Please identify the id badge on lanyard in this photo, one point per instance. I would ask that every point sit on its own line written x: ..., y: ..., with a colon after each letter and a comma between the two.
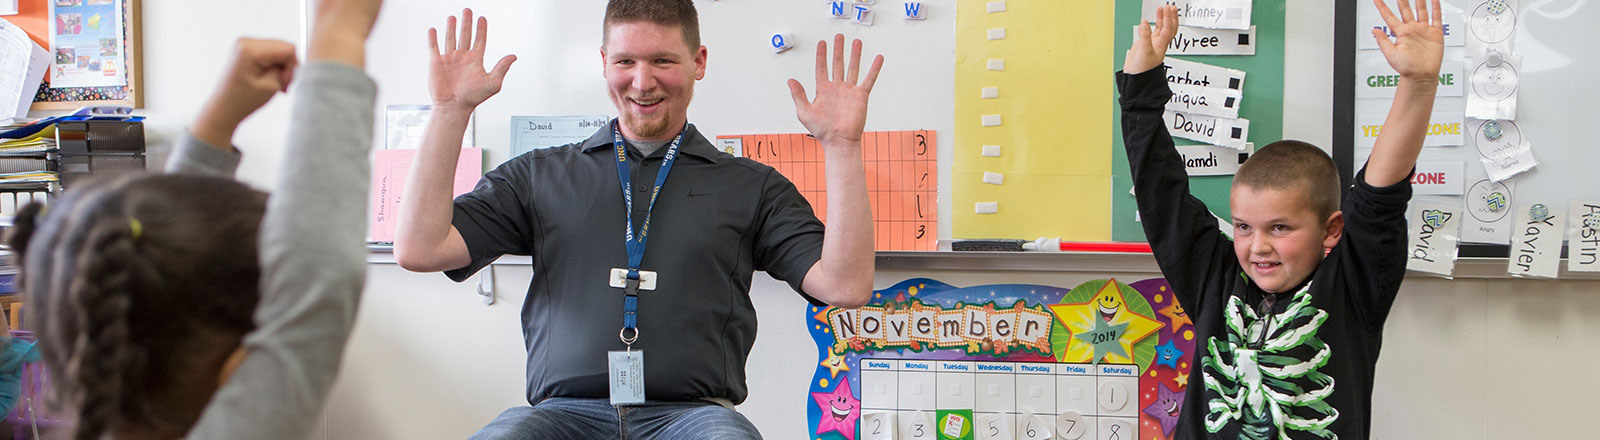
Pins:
x: 627, y: 366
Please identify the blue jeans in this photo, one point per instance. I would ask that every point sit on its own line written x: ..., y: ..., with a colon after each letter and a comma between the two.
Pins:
x: 573, y: 418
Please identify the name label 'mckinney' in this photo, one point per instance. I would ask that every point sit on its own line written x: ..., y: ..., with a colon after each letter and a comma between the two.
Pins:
x: 1215, y: 14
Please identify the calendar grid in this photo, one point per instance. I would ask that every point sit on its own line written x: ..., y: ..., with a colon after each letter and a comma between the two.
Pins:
x: 1003, y: 400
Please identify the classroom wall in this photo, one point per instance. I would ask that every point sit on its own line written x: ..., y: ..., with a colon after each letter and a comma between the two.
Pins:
x: 1463, y: 359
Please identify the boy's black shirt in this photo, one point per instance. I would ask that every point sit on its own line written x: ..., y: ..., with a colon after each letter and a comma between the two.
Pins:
x: 1315, y: 366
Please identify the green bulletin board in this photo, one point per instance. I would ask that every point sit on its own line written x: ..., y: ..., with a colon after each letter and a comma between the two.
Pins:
x: 1262, y: 105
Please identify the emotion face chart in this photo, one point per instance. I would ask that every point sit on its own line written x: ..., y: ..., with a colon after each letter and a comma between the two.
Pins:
x: 926, y: 360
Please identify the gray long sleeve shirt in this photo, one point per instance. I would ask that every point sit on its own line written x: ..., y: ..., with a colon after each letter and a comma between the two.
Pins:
x: 313, y: 258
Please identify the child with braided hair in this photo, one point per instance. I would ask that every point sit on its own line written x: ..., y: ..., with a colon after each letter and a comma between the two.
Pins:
x: 189, y: 304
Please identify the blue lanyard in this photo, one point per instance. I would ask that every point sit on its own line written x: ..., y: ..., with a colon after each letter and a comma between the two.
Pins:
x: 635, y: 247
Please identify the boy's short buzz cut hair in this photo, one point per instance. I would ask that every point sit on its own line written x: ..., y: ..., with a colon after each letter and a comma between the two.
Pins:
x: 1295, y: 165
x: 679, y: 13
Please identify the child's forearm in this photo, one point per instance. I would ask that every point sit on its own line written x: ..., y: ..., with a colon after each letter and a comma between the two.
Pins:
x: 1395, y: 153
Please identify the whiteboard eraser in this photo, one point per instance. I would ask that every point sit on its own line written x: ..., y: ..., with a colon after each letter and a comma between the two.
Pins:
x: 997, y: 64
x: 991, y: 92
x: 781, y: 42
x: 987, y: 207
x: 994, y: 178
x: 916, y: 11
x: 991, y: 151
x: 997, y: 6
x: 997, y: 33
x: 991, y: 120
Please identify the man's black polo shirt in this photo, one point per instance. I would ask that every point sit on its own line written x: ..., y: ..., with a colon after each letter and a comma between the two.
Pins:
x: 718, y: 219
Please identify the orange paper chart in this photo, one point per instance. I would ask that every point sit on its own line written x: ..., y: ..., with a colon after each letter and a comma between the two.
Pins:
x: 902, y: 180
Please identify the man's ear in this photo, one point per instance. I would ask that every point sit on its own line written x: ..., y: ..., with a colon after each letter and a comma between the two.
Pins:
x: 1334, y: 229
x: 700, y: 63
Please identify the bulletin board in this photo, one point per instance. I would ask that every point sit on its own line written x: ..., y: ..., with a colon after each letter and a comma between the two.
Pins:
x: 1105, y: 359
x: 33, y: 17
x: 1262, y: 105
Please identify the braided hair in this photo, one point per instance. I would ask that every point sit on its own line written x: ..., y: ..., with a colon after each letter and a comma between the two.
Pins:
x: 128, y: 280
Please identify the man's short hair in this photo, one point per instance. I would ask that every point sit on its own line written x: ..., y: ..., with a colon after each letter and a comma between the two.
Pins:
x: 667, y: 13
x: 1294, y: 165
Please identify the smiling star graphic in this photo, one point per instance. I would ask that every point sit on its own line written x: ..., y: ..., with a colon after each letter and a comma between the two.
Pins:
x: 840, y: 410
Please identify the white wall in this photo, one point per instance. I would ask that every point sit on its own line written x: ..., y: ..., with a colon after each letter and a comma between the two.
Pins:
x: 1462, y: 359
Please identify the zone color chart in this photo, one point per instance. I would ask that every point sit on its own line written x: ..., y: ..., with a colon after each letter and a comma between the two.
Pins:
x: 902, y: 179
x: 1073, y: 401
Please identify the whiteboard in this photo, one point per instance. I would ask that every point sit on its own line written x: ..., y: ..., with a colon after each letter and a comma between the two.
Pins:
x: 559, y: 69
x: 1556, y: 102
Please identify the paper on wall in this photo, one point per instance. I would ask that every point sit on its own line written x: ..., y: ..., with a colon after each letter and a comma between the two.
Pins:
x: 1488, y: 208
x: 1210, y: 101
x: 1215, y: 14
x: 1213, y: 130
x: 22, y: 66
x: 1502, y: 147
x: 530, y: 133
x: 1493, y: 85
x: 1536, y: 251
x: 1583, y: 236
x: 403, y: 125
x: 1444, y: 129
x: 1434, y: 231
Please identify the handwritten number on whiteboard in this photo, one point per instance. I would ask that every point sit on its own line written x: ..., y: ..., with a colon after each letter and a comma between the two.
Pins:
x: 922, y: 230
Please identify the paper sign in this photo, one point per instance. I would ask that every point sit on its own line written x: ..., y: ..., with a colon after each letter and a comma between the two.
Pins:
x: 1492, y: 24
x: 1444, y: 129
x: 1215, y: 14
x: 902, y: 180
x: 403, y: 126
x: 389, y: 170
x: 1376, y: 79
x: 994, y: 427
x: 1439, y: 178
x: 530, y: 133
x: 1212, y: 160
x: 1454, y: 27
x: 1435, y: 229
x: 1202, y: 41
x: 1536, y: 249
x: 1583, y: 236
x: 1225, y: 132
x: 919, y: 426
x: 23, y: 67
x: 1190, y: 73
x: 1494, y: 79
x: 1488, y: 212
x: 1037, y: 427
x: 1502, y: 147
x: 877, y: 425
x: 733, y: 146
x: 89, y: 43
x: 1210, y: 101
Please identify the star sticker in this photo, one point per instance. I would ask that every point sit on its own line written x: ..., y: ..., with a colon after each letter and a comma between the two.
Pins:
x: 1176, y: 316
x: 1107, y: 306
x: 835, y: 364
x: 1168, y: 354
x: 839, y: 411
x: 1104, y: 338
x: 823, y: 314
x: 1182, y: 379
x: 1166, y: 408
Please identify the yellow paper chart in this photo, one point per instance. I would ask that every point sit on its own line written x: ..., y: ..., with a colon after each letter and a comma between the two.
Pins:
x: 1035, y: 88
x: 902, y: 180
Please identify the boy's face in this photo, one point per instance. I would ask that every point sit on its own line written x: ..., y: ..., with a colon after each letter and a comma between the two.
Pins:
x: 1278, y: 237
x: 650, y: 73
